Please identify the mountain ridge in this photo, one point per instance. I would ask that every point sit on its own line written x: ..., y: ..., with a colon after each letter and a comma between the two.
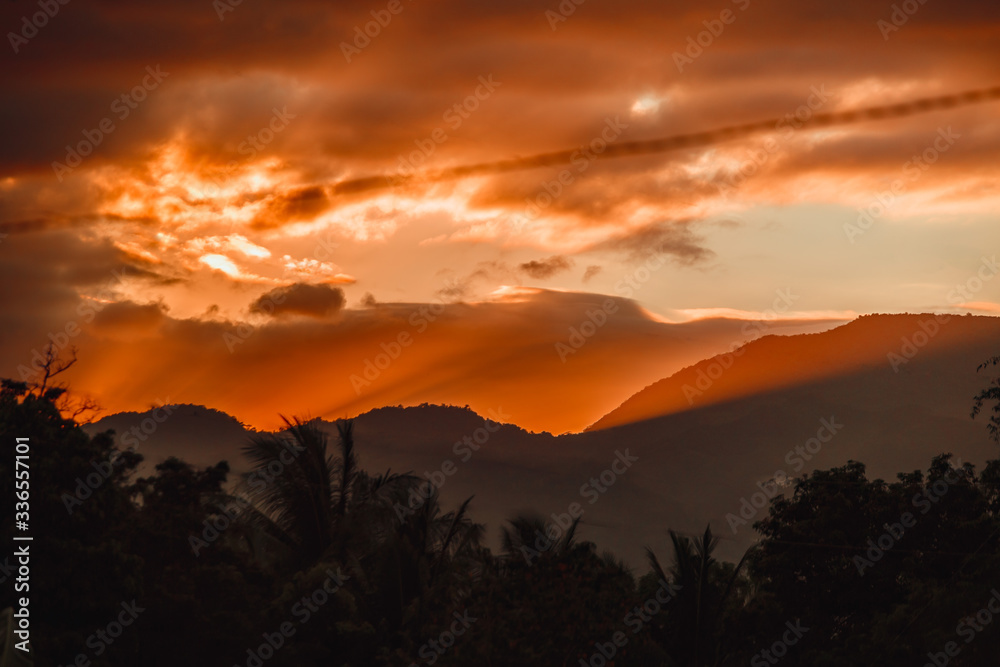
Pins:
x: 696, y: 381
x: 694, y: 466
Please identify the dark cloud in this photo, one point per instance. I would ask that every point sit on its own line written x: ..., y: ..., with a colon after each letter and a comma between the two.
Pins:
x: 454, y: 289
x: 371, y: 110
x: 298, y: 205
x: 37, y: 263
x: 125, y: 319
x: 300, y: 299
x: 590, y: 272
x: 542, y: 269
x: 694, y: 139
x: 675, y: 239
x: 490, y: 271
x: 55, y: 285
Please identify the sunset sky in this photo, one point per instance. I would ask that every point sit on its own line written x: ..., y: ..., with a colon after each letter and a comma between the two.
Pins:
x: 169, y: 198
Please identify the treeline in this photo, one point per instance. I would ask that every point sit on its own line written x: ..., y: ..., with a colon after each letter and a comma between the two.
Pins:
x: 307, y: 561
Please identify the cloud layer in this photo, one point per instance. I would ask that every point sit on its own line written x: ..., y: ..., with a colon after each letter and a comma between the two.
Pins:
x: 169, y: 186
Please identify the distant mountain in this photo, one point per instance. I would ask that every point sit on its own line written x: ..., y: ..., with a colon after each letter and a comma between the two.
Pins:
x: 788, y: 404
x: 193, y: 433
x: 773, y: 362
x: 533, y: 352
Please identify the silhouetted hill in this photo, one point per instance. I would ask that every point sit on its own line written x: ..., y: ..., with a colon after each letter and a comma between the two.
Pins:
x: 693, y: 466
x: 193, y: 433
x: 773, y: 362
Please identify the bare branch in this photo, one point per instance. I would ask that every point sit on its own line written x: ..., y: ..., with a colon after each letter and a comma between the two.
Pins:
x: 53, y: 365
x: 82, y: 410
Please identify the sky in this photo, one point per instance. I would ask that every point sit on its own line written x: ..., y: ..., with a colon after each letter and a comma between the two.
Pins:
x: 229, y: 204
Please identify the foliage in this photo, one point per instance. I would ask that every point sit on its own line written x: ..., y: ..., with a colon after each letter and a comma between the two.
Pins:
x: 877, y: 572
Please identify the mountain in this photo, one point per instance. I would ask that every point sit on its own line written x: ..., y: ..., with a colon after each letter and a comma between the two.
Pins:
x: 533, y: 352
x: 193, y: 433
x: 787, y: 404
x: 773, y: 362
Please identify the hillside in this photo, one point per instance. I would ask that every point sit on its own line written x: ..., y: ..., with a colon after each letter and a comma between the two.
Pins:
x: 773, y: 362
x: 693, y: 466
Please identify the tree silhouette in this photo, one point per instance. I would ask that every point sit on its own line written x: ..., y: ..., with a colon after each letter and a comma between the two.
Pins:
x: 705, y: 587
x: 306, y: 500
x: 990, y: 393
x: 836, y: 554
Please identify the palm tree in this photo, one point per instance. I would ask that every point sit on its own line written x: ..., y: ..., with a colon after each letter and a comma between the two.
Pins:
x: 701, y: 600
x: 527, y: 538
x: 427, y: 562
x: 303, y: 501
x: 316, y: 509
